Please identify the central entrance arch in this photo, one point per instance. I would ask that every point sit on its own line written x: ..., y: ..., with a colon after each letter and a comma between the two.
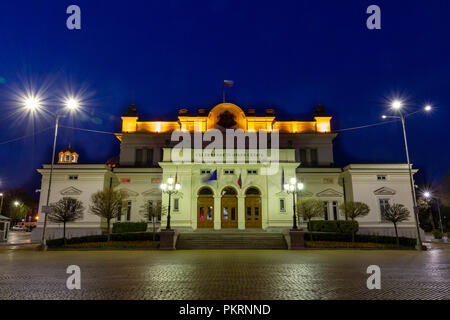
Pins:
x: 253, y: 208
x: 205, y: 208
x: 229, y: 208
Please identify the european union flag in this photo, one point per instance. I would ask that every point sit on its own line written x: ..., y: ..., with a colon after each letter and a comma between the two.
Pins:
x: 212, y: 177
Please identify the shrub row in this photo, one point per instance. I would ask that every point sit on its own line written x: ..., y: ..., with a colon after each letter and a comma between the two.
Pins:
x: 338, y: 226
x: 123, y: 227
x: 102, y: 238
x: 363, y: 238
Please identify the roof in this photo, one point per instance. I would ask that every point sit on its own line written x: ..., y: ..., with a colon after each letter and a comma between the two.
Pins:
x: 4, y: 218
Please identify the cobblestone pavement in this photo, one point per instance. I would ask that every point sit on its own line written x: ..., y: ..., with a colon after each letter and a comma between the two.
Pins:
x: 225, y: 274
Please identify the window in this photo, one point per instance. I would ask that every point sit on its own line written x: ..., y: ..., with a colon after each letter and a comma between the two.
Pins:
x: 73, y: 177
x: 233, y: 213
x: 149, y: 160
x: 314, y: 159
x: 139, y: 161
x: 67, y: 157
x: 73, y: 158
x: 205, y: 171
x: 176, y: 204
x: 252, y: 171
x: 335, y: 210
x: 62, y: 158
x: 161, y: 154
x: 228, y: 171
x: 303, y: 156
x: 129, y: 211
x: 282, y: 205
x: 119, y: 217
x: 225, y: 213
x: 325, y: 210
x: 249, y: 213
x: 154, y: 205
x: 327, y: 180
x: 383, y: 204
x: 381, y: 177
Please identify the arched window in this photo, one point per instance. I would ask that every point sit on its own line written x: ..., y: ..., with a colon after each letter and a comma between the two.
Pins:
x: 205, y: 191
x: 67, y: 157
x: 61, y: 158
x: 228, y: 191
x: 73, y: 158
x: 252, y: 190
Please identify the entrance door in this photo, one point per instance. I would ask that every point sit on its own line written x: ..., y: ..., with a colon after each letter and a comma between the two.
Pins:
x: 205, y: 208
x: 229, y: 210
x: 253, y: 208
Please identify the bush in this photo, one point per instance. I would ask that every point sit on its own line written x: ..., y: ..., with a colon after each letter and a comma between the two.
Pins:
x: 363, y: 238
x: 437, y: 234
x: 123, y: 227
x: 103, y: 238
x: 339, y: 226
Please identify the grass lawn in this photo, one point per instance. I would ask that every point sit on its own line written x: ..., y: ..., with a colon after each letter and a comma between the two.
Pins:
x: 110, y: 245
x: 351, y: 245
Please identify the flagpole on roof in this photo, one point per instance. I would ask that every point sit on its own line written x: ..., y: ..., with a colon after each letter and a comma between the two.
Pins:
x: 223, y: 90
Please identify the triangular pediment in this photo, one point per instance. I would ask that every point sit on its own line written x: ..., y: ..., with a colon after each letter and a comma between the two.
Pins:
x: 70, y: 191
x: 331, y: 193
x: 152, y: 192
x: 305, y: 194
x: 384, y: 191
x: 130, y: 193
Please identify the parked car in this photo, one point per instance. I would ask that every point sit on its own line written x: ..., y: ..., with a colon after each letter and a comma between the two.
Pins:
x: 17, y: 228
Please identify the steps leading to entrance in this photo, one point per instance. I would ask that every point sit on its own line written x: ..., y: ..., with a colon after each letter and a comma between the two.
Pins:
x: 231, y: 240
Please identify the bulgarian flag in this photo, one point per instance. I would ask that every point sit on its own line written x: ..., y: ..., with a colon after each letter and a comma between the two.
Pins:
x: 228, y: 83
x: 239, y: 182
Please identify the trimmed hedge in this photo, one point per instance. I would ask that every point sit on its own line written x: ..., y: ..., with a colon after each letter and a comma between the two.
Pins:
x: 338, y: 226
x: 102, y: 238
x: 364, y: 238
x: 123, y: 227
x: 437, y: 234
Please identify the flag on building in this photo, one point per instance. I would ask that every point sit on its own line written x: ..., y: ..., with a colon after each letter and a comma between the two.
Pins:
x: 228, y: 83
x: 282, y: 180
x: 212, y: 177
x: 239, y: 182
x: 176, y: 176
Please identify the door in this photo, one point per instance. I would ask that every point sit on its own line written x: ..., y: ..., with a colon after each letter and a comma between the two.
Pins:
x: 253, y: 210
x: 205, y: 208
x: 229, y: 211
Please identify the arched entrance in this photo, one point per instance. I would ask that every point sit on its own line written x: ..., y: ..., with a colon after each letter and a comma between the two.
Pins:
x: 253, y: 208
x: 205, y: 208
x: 229, y: 208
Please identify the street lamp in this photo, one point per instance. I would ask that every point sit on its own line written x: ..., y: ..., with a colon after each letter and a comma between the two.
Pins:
x: 170, y: 188
x: 427, y: 196
x: 1, y: 203
x: 397, y: 106
x: 293, y: 187
x: 33, y: 103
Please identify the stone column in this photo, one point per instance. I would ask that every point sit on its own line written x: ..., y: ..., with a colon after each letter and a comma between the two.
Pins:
x: 217, y: 208
x: 241, y: 212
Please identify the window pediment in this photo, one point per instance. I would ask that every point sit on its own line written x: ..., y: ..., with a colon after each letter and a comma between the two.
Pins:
x: 384, y: 191
x: 329, y: 193
x: 70, y: 191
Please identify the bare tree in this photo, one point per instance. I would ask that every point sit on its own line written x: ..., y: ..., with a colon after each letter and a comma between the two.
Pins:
x: 152, y: 210
x: 107, y: 204
x: 395, y: 214
x: 66, y: 210
x: 309, y: 208
x: 353, y: 210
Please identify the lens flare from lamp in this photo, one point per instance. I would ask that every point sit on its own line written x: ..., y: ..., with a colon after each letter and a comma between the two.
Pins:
x: 177, y: 186
x: 32, y: 103
x: 426, y: 194
x: 72, y: 104
x: 428, y: 108
x: 163, y: 186
x: 397, y: 104
x: 300, y: 186
x: 286, y: 187
x: 170, y: 181
x: 293, y: 180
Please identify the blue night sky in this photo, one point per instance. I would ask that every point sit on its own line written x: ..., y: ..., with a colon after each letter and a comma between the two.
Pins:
x: 287, y: 55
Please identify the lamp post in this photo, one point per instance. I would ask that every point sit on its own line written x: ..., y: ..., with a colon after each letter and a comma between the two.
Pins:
x: 293, y: 187
x: 397, y: 106
x: 33, y: 104
x: 427, y: 196
x: 1, y: 203
x: 170, y: 188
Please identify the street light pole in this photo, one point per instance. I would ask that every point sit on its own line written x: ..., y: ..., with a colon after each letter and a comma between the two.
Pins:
x: 43, y: 241
x: 170, y: 189
x: 295, y: 216
x: 293, y: 188
x: 1, y: 204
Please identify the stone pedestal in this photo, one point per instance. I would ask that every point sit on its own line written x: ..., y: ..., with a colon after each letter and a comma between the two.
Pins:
x: 297, y: 239
x: 167, y: 240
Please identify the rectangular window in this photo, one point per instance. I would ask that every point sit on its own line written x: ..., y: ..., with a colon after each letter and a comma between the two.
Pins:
x: 249, y: 213
x: 139, y: 161
x: 161, y: 154
x: 129, y: 211
x: 383, y: 204
x: 154, y: 205
x: 282, y: 205
x: 209, y: 215
x: 228, y: 171
x: 233, y: 213
x: 119, y: 217
x: 252, y: 171
x: 314, y: 158
x: 150, y: 210
x: 225, y: 213
x: 149, y: 157
x: 335, y: 210
x: 325, y: 210
x: 73, y: 177
x: 205, y: 171
x: 303, y: 160
x: 176, y: 204
x: 381, y: 177
x: 256, y: 213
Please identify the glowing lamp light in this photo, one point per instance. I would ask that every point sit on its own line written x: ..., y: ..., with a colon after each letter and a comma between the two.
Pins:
x: 163, y: 186
x: 293, y: 180
x: 177, y: 186
x: 383, y: 116
x: 397, y: 104
x: 16, y: 203
x: 292, y: 187
x: 300, y: 186
x: 286, y: 187
x: 428, y: 108
x: 170, y: 181
x: 37, y: 218
x: 72, y: 104
x: 170, y: 187
x: 427, y: 194
x: 32, y: 103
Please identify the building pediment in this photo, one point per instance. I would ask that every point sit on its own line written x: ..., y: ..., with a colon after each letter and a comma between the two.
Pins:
x: 130, y: 193
x: 384, y: 192
x: 152, y: 192
x: 331, y: 193
x: 71, y: 191
x: 305, y: 194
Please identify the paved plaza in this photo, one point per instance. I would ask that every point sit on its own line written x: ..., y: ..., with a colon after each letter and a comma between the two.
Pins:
x: 225, y: 274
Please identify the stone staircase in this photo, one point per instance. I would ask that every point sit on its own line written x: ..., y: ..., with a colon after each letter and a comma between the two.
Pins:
x: 231, y: 240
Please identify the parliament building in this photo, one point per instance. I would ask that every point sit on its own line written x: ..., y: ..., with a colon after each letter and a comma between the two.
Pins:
x: 235, y: 196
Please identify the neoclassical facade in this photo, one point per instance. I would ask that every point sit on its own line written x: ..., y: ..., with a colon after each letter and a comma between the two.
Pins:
x: 239, y: 194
